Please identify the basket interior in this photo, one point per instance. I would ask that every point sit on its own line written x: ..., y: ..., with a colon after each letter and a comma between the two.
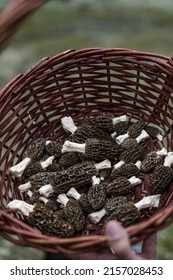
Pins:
x: 78, y: 83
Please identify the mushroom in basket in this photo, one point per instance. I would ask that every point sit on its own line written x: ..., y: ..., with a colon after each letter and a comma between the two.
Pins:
x: 126, y: 170
x: 162, y: 175
x: 130, y: 156
x: 53, y: 148
x: 36, y: 167
x: 82, y: 199
x: 133, y: 131
x: 120, y: 127
x: 134, y: 142
x: 152, y: 159
x: 96, y: 194
x: 154, y: 132
x: 105, y: 121
x: 81, y: 133
x: 68, y: 159
x: 72, y: 212
x: 126, y: 212
x: 36, y: 181
x: 122, y: 185
x: 110, y: 205
x: 34, y: 152
x: 41, y: 217
x: 78, y: 175
x: 129, y: 212
x: 94, y: 149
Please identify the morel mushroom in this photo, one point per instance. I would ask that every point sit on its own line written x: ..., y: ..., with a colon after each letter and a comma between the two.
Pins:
x: 104, y: 174
x: 130, y: 156
x: 32, y: 153
x: 152, y: 159
x: 68, y: 159
x: 154, y: 132
x: 84, y: 131
x: 72, y: 212
x: 134, y: 131
x: 120, y: 128
x: 53, y: 148
x: 94, y: 149
x: 36, y: 181
x: 122, y: 186
x: 133, y: 142
x: 36, y: 167
x: 51, y: 203
x: 76, y: 176
x: 33, y: 196
x: 110, y: 205
x: 54, y: 167
x: 105, y: 121
x: 43, y: 218
x: 82, y: 199
x: 96, y: 194
x: 126, y: 170
x: 161, y: 176
x: 129, y: 212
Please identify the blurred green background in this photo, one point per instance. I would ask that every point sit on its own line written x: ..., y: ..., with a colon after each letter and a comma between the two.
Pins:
x: 74, y: 24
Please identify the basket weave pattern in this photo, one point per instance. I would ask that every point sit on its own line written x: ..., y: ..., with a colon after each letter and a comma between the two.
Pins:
x: 78, y: 83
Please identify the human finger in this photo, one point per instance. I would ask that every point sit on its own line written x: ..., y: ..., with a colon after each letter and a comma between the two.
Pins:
x: 119, y: 242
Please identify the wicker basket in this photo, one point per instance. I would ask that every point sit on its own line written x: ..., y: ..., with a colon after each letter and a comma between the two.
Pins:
x: 79, y: 83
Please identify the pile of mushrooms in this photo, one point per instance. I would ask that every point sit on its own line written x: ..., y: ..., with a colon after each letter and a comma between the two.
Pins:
x: 91, y: 177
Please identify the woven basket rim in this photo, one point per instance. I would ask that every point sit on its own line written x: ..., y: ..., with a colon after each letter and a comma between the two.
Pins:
x: 159, y: 59
x: 81, y: 243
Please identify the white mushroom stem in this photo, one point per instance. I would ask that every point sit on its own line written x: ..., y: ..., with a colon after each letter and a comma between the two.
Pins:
x: 162, y: 152
x: 68, y: 124
x: 63, y: 199
x: 122, y: 118
x: 43, y: 199
x: 30, y: 193
x: 95, y: 217
x: 73, y: 147
x: 121, y: 138
x: 138, y: 164
x: 95, y: 180
x: 168, y: 159
x: 19, y: 168
x: 159, y: 137
x: 119, y: 164
x: 105, y: 164
x: 144, y: 135
x: 47, y: 162
x: 134, y: 181
x: 46, y: 190
x: 73, y: 193
x: 25, y: 187
x: 114, y: 134
x: 21, y: 206
x: 148, y: 201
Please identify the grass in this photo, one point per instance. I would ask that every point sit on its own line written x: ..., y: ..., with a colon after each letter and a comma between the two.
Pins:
x: 165, y: 244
